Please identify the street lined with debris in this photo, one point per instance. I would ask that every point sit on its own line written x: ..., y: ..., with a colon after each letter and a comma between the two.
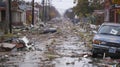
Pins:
x: 68, y: 46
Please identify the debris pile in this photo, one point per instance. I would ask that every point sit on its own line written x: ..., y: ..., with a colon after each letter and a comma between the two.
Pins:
x: 19, y: 43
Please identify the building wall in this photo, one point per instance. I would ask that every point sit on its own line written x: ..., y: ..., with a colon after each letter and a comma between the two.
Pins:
x: 23, y: 17
x: 111, y: 14
x: 16, y: 18
x: 107, y: 11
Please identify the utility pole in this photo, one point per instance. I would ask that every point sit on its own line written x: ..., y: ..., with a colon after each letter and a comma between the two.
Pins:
x: 49, y: 11
x: 46, y: 11
x: 43, y: 11
x: 8, y: 16
x: 32, y: 12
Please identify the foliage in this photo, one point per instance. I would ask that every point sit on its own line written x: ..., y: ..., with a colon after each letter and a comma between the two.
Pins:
x: 84, y: 8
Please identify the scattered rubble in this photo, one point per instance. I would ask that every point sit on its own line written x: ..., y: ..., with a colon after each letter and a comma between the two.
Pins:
x: 7, y: 46
x: 28, y: 45
x: 67, y: 47
x: 19, y: 43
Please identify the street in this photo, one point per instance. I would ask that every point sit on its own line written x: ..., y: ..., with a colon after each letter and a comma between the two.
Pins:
x: 59, y: 33
x: 51, y: 49
x: 64, y: 48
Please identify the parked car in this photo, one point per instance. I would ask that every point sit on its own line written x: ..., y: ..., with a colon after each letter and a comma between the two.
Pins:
x: 107, y: 40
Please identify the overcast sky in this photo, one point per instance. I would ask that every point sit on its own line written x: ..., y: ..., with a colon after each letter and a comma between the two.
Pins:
x: 61, y: 5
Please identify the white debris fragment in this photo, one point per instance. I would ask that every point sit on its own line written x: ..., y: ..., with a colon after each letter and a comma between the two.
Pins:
x: 26, y: 41
x: 19, y: 54
x: 93, y: 26
x: 6, y: 56
x: 85, y: 56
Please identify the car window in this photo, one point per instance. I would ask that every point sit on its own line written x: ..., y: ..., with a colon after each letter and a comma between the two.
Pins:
x: 112, y: 30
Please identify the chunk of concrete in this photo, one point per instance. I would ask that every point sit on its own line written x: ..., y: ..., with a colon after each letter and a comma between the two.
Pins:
x: 7, y: 45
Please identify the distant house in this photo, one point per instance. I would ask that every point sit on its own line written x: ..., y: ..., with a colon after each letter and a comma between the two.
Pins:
x: 29, y: 13
x: 18, y: 13
x: 21, y: 12
x: 112, y: 8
